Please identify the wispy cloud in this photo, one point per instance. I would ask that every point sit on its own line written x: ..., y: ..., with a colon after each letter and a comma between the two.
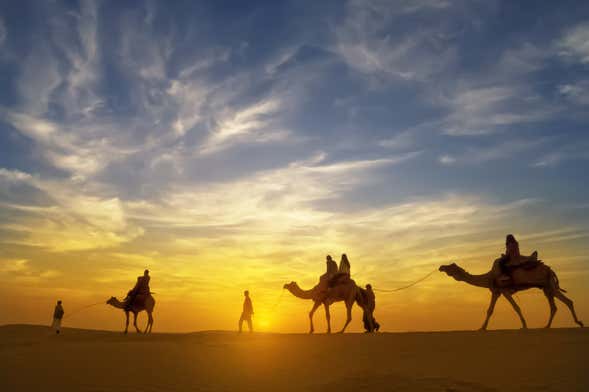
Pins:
x: 365, y: 44
x: 484, y: 110
x: 575, y: 43
x: 251, y: 124
x: 504, y: 150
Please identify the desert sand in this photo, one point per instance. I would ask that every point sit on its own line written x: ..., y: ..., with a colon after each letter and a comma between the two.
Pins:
x: 32, y: 358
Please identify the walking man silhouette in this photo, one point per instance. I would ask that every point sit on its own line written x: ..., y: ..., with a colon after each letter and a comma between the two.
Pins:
x: 247, y: 313
x: 57, y: 316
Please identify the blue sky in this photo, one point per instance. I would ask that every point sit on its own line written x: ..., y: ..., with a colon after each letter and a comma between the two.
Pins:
x: 127, y: 125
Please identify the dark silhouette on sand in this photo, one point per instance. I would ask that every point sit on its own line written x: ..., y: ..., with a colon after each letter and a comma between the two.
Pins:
x: 141, y: 288
x: 368, y: 306
x: 141, y: 303
x: 58, y: 313
x: 512, y: 273
x: 138, y: 299
x: 247, y: 312
x: 333, y: 287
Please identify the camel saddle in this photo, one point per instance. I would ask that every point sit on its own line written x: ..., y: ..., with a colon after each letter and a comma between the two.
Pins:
x: 138, y: 300
x: 525, y: 262
x: 339, y: 278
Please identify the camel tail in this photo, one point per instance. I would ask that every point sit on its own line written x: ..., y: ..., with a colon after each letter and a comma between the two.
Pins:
x: 556, y: 282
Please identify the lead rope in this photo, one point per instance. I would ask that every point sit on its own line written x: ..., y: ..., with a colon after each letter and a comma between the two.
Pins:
x: 409, y: 285
x: 81, y: 309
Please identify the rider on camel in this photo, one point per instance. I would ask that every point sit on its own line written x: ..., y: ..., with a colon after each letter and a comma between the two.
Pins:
x: 331, y: 269
x: 141, y: 288
x: 512, y: 257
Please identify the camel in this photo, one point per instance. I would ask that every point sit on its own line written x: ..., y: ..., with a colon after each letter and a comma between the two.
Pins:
x: 148, y: 304
x: 541, y: 276
x: 346, y: 291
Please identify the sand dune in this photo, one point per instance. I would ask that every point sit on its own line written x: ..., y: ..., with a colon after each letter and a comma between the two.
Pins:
x: 31, y: 358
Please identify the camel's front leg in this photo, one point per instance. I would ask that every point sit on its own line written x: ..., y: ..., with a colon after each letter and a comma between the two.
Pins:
x: 135, y: 322
x: 552, y: 305
x: 494, y: 296
x: 126, y: 321
x: 327, y: 317
x: 348, y: 315
x: 509, y: 297
x: 315, y: 306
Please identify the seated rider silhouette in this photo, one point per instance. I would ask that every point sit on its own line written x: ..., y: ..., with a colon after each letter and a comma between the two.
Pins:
x: 343, y: 272
x: 513, y: 258
x: 331, y: 269
x: 141, y: 288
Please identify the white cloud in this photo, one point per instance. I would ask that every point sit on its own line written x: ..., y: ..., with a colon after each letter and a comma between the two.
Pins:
x: 575, y: 43
x: 559, y: 154
x: 364, y: 42
x: 577, y: 93
x: 14, y: 175
x: 483, y: 110
x: 281, y: 199
x: 250, y: 124
x: 506, y: 150
x: 447, y: 160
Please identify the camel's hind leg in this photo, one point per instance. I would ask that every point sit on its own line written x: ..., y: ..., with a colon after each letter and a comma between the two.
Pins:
x: 348, y: 315
x: 550, y: 296
x: 494, y: 296
x: 135, y: 322
x: 517, y: 309
x: 327, y: 317
x: 126, y: 322
x: 311, y: 313
x: 568, y: 302
x: 149, y: 322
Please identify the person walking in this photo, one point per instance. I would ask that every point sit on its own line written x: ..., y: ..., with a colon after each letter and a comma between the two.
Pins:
x: 247, y: 313
x: 57, y: 316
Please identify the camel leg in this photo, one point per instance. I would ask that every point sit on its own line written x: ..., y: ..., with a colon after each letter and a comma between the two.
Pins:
x: 494, y: 296
x: 149, y: 321
x: 517, y: 309
x: 348, y: 316
x: 569, y: 303
x: 126, y: 322
x: 135, y: 322
x: 327, y: 317
x: 315, y: 306
x: 550, y: 298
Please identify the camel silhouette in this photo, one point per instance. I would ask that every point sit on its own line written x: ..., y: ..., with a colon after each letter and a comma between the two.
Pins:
x: 147, y: 304
x: 541, y: 276
x: 346, y: 291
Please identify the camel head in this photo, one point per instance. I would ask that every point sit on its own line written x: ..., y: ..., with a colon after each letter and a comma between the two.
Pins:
x: 112, y: 301
x: 453, y: 270
x: 290, y: 285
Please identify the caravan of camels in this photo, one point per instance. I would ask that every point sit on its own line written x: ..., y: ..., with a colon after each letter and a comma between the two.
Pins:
x: 509, y: 274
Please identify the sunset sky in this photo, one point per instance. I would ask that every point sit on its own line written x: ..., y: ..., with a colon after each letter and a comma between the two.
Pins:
x: 232, y: 145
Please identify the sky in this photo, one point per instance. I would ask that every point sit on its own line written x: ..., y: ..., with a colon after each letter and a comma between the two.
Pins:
x: 233, y: 145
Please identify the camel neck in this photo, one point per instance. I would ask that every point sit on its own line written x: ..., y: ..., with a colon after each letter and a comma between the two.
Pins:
x: 483, y: 280
x: 300, y: 293
x: 118, y: 304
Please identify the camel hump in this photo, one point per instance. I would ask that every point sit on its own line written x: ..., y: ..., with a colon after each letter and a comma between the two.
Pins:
x: 339, y: 279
